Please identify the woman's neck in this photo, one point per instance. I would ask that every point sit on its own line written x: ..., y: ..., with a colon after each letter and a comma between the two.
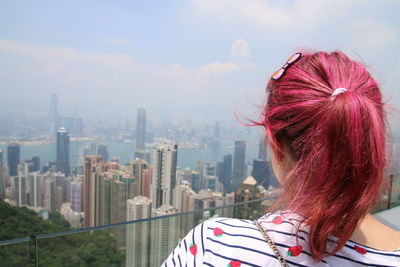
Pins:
x: 372, y: 233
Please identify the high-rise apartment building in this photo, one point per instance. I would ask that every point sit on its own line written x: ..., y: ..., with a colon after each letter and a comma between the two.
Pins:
x: 185, y: 199
x: 206, y: 169
x: 195, y: 181
x: 76, y: 187
x: 20, y: 190
x: 141, y: 129
x: 182, y: 195
x: 92, y: 169
x: 35, y: 180
x: 106, y: 191
x: 137, y: 168
x: 165, y: 158
x: 164, y: 234
x: 49, y: 193
x: 63, y: 151
x: 13, y: 158
x: 115, y: 187
x: 239, y: 166
x: 138, y: 234
x: 146, y: 182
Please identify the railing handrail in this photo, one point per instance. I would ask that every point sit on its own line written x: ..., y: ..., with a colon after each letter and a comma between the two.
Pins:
x: 106, y: 226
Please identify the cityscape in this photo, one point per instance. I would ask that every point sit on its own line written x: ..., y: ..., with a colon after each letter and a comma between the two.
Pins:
x: 125, y: 124
x: 97, y: 188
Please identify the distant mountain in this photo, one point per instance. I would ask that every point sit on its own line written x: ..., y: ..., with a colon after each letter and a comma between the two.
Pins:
x: 96, y: 248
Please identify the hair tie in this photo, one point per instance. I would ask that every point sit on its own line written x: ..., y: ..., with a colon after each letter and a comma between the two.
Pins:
x: 337, y: 92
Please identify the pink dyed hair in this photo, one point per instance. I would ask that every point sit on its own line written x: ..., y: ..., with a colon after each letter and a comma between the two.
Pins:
x: 338, y: 145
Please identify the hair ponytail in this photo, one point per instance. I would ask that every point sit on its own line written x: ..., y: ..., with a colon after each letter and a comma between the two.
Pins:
x: 337, y: 143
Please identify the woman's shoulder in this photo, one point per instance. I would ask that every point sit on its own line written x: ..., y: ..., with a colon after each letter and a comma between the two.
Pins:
x: 290, y: 233
x: 236, y: 242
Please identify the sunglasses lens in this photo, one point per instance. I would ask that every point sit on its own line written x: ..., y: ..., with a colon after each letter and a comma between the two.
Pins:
x: 277, y: 74
x: 293, y: 58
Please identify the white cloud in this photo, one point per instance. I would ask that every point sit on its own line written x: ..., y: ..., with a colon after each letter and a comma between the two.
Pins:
x: 61, y: 55
x: 116, y: 40
x: 370, y: 34
x: 218, y: 68
x: 240, y: 49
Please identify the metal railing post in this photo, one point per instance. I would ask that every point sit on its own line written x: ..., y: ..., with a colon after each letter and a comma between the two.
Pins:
x: 389, y: 204
x: 33, y: 253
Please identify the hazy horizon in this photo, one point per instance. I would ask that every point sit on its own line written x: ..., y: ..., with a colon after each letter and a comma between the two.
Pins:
x: 199, y: 59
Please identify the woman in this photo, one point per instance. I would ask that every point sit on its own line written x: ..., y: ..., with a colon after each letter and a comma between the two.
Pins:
x: 325, y: 123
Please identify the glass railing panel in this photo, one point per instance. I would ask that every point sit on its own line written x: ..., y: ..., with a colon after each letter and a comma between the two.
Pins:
x: 20, y: 252
x: 394, y: 184
x: 87, y: 248
x: 145, y: 242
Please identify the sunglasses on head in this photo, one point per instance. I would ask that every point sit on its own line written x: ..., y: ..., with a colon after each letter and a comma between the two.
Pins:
x: 278, y: 74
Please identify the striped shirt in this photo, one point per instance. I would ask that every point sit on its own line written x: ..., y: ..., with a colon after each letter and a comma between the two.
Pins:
x: 234, y: 242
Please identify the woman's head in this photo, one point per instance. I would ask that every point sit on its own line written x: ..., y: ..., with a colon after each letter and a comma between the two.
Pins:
x: 324, y: 117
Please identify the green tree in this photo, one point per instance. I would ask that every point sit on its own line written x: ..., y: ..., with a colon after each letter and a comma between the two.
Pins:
x: 94, y: 248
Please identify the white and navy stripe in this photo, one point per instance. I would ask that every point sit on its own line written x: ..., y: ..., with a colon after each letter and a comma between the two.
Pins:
x: 242, y: 242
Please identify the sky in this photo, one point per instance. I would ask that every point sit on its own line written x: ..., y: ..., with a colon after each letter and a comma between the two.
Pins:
x: 194, y: 58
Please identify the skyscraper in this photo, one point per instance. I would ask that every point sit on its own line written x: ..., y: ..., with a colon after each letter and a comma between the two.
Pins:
x: 92, y: 166
x: 226, y: 173
x: 20, y: 190
x: 102, y: 150
x: 141, y: 129
x: 106, y: 191
x: 164, y: 234
x: 261, y: 172
x: 63, y: 151
x: 76, y: 187
x: 137, y: 168
x: 35, y: 180
x: 35, y: 163
x: 13, y: 158
x: 239, y: 166
x: 146, y: 182
x: 164, y: 174
x: 49, y: 193
x: 54, y: 114
x: 115, y: 187
x: 138, y: 234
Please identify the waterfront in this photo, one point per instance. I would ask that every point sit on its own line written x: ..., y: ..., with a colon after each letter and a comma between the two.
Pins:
x: 124, y: 151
